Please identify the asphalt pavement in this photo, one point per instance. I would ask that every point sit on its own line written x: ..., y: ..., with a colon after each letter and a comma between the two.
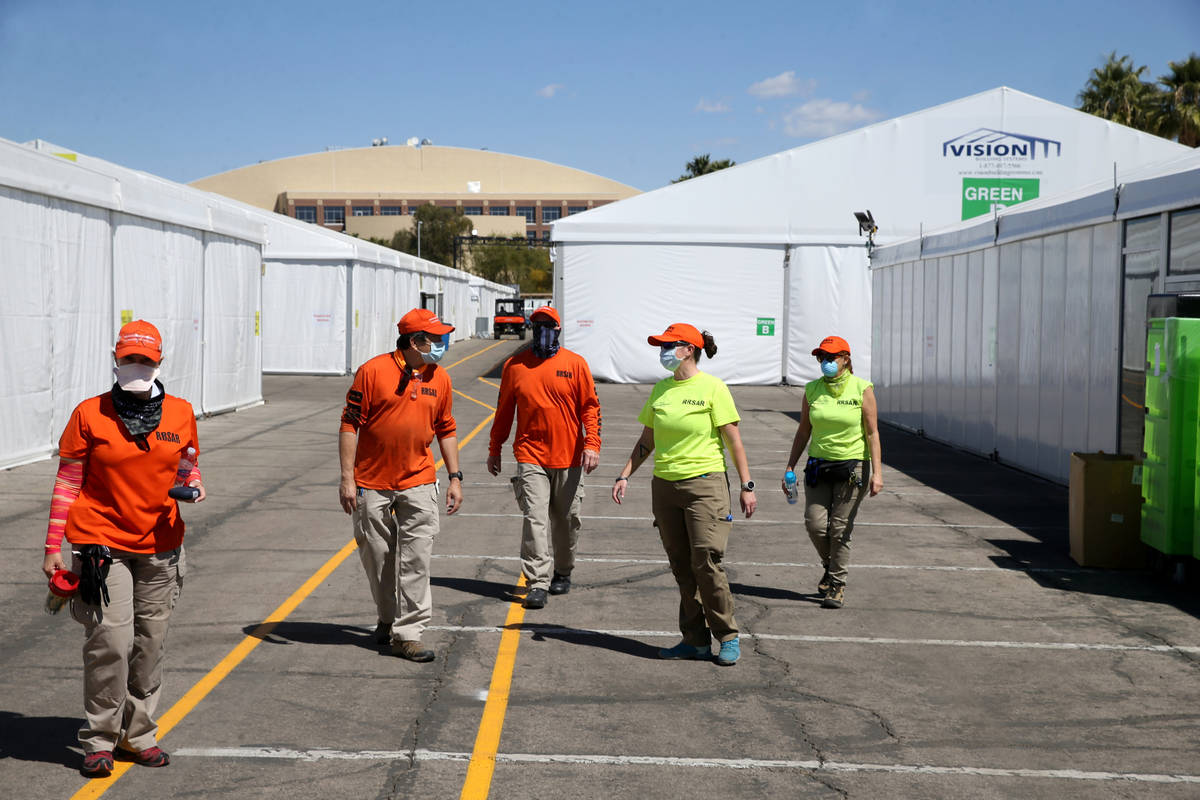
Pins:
x: 973, y: 658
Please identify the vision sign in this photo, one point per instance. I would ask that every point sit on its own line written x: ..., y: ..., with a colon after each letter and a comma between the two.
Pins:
x: 998, y: 168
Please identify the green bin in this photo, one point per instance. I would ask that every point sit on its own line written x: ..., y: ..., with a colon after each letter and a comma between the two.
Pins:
x: 1169, y: 471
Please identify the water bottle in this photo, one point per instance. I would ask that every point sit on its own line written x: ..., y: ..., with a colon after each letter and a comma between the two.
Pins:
x: 63, y: 584
x: 789, y: 483
x: 186, y: 463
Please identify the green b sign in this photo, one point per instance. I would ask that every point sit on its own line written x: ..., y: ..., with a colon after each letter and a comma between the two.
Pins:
x: 981, y: 195
x: 766, y: 326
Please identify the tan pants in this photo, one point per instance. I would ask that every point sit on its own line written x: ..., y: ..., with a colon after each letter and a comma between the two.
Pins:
x: 692, y: 517
x: 125, y: 647
x: 829, y: 511
x: 550, y: 500
x: 394, y: 531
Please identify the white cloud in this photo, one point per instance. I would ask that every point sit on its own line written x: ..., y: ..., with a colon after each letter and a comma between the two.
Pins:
x: 712, y: 106
x: 783, y: 85
x: 549, y: 91
x: 861, y: 96
x: 822, y: 117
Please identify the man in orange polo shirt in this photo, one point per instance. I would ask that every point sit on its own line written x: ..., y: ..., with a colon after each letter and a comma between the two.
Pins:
x: 558, y: 439
x: 398, y: 403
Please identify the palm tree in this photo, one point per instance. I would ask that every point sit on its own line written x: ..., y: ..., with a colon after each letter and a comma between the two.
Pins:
x: 1180, y: 103
x: 702, y: 165
x: 1116, y: 92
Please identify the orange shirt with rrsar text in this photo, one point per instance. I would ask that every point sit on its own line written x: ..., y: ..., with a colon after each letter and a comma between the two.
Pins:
x: 124, y: 502
x: 558, y: 413
x: 395, y: 428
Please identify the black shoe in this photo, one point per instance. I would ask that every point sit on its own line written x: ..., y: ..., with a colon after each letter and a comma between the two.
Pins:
x: 535, y: 599
x: 383, y: 633
x: 560, y: 584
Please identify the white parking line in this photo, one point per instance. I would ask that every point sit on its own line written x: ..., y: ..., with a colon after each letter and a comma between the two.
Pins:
x: 421, y: 754
x: 876, y: 640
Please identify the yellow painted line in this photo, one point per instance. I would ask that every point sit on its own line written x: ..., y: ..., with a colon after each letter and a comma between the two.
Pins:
x: 98, y: 786
x: 473, y: 400
x: 468, y: 358
x: 1135, y: 405
x: 487, y: 740
x: 490, y: 383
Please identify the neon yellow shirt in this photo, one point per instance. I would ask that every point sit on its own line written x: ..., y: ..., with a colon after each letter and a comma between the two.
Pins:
x: 685, y: 416
x: 837, y: 421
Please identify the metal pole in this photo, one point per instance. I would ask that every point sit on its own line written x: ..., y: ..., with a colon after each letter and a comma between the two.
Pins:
x: 418, y: 238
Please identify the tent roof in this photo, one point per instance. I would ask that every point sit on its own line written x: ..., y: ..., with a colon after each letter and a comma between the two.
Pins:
x: 904, y: 170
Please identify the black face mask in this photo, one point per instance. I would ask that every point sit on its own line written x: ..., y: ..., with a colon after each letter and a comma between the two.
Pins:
x: 545, y: 340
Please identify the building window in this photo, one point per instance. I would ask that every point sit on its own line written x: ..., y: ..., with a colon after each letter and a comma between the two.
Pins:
x: 1185, y: 242
x: 498, y: 211
x: 364, y: 211
x: 306, y: 213
x: 575, y: 210
x: 527, y: 212
x: 389, y: 211
x: 412, y: 208
x: 476, y: 211
x: 545, y: 236
x: 335, y: 215
x: 551, y: 213
x: 531, y: 235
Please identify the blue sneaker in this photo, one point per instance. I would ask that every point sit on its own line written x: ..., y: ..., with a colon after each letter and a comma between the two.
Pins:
x: 683, y: 650
x: 731, y: 651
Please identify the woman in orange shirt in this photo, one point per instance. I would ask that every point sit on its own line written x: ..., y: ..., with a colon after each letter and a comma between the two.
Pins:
x: 121, y: 453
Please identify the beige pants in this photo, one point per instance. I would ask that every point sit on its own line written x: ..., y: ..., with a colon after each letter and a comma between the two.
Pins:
x: 550, y: 500
x: 692, y: 520
x: 829, y: 511
x: 125, y: 647
x: 394, y: 531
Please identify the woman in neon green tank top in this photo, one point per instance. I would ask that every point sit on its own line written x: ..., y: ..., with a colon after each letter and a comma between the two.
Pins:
x: 839, y: 425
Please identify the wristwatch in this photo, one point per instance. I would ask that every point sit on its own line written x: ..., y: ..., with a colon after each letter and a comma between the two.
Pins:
x: 748, y: 486
x: 455, y: 475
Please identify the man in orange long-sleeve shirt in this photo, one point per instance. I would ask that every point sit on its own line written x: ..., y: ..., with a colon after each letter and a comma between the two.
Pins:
x: 558, y: 439
x: 398, y: 403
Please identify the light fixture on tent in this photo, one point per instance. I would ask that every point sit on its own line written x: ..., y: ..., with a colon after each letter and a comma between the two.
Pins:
x: 866, y: 225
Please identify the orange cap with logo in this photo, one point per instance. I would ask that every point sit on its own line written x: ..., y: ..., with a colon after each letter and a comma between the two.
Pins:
x: 547, y: 311
x: 678, y: 332
x: 422, y: 320
x: 832, y: 345
x: 139, y: 338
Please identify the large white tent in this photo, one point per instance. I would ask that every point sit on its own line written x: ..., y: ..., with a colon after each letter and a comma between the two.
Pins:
x: 86, y: 245
x: 766, y: 254
x: 1023, y: 338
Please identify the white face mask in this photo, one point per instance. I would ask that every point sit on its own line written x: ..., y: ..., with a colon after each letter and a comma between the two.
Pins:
x: 135, y: 377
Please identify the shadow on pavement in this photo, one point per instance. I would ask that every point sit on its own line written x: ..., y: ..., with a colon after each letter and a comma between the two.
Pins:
x: 491, y: 589
x: 315, y: 633
x: 772, y: 593
x: 607, y: 641
x: 43, y: 739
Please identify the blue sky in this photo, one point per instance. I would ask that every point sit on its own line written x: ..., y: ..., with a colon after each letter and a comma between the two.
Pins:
x: 628, y: 90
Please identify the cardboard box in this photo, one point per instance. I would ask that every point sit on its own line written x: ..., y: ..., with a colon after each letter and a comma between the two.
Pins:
x: 1106, y: 511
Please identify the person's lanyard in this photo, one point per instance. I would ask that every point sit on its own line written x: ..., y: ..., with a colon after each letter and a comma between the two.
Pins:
x: 407, y: 376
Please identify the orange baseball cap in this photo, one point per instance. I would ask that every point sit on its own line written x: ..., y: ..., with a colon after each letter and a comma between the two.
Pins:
x: 832, y: 345
x: 139, y: 338
x: 678, y: 332
x: 547, y: 311
x: 422, y: 320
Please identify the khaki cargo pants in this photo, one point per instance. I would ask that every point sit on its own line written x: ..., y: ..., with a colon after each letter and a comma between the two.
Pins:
x: 550, y: 500
x: 829, y: 511
x: 692, y: 520
x: 124, y: 650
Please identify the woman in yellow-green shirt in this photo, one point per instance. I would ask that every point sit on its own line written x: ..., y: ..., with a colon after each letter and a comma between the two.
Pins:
x: 844, y: 460
x: 689, y: 419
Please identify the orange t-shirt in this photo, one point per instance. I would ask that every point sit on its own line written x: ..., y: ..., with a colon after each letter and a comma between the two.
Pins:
x: 123, y: 502
x: 558, y: 413
x: 394, y: 428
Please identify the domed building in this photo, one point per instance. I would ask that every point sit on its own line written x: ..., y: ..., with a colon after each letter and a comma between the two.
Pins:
x: 369, y: 191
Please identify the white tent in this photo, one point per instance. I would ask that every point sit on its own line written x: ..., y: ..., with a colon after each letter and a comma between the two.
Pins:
x: 1024, y: 338
x: 766, y: 254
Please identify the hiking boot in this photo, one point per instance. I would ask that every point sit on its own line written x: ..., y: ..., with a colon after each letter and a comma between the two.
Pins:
x: 150, y: 757
x: 535, y: 599
x: 98, y: 764
x: 412, y: 650
x: 834, y: 597
x: 730, y: 652
x: 383, y: 632
x: 824, y: 584
x: 684, y: 651
x: 560, y: 584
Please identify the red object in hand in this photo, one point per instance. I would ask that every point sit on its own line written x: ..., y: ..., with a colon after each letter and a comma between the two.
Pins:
x: 64, y: 583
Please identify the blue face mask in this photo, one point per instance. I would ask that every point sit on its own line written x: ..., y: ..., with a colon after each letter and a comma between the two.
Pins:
x: 669, y: 358
x: 545, y: 341
x: 829, y: 369
x: 437, y: 349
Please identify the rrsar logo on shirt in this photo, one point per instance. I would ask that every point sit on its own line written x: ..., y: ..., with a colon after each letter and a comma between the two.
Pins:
x: 563, y: 373
x: 167, y: 436
x: 847, y: 402
x: 693, y: 402
x: 429, y: 391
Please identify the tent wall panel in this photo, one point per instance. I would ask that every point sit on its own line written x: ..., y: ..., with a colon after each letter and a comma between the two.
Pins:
x: 829, y: 293
x: 1104, y: 368
x: 232, y: 308
x: 312, y: 296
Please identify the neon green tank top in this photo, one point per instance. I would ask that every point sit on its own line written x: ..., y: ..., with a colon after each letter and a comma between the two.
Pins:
x: 837, y: 423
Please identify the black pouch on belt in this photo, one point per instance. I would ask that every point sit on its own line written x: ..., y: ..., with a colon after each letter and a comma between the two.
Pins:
x: 819, y: 470
x: 94, y: 562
